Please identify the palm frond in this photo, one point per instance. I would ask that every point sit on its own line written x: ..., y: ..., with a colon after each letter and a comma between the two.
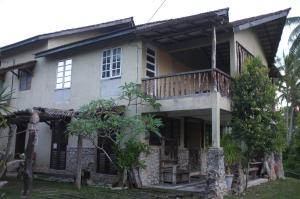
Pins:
x: 295, y: 48
x: 294, y: 34
x: 5, y: 98
x: 292, y: 20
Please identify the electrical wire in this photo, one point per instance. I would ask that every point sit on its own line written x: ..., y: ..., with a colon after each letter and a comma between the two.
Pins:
x: 156, y: 11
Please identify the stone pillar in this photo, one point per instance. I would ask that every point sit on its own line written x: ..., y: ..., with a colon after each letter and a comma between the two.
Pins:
x: 216, y: 186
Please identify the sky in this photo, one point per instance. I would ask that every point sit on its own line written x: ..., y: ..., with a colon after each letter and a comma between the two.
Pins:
x: 21, y: 19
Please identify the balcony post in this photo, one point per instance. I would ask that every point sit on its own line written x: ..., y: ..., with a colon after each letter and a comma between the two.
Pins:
x: 213, y: 58
x: 213, y: 48
x: 215, y: 120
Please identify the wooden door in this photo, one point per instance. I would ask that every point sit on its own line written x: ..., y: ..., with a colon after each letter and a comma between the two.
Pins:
x: 59, y: 145
x: 170, y: 133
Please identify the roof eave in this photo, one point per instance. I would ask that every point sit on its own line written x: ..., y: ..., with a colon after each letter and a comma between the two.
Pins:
x: 84, y: 43
x: 247, y: 25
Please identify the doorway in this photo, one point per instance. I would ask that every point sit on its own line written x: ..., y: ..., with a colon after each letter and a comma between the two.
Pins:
x: 58, y: 145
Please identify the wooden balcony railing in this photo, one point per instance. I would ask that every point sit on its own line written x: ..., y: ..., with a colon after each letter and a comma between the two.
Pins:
x: 187, y: 84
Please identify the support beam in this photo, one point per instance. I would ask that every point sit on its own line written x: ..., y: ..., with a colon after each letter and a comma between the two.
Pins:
x: 215, y: 120
x: 213, y: 48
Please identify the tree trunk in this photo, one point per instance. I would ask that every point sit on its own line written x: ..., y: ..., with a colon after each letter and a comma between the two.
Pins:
x: 27, y: 176
x: 290, y: 127
x: 279, y: 166
x: 136, y: 177
x: 78, y: 166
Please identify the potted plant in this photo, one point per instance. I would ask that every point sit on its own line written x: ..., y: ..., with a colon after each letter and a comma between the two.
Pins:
x: 231, y: 156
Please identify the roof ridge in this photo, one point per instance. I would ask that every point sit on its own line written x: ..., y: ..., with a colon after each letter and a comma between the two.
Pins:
x: 88, y: 26
x: 48, y: 35
x: 262, y: 15
x: 171, y: 19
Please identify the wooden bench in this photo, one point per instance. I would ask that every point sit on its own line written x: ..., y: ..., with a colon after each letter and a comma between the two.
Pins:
x: 170, y: 173
x: 254, y: 168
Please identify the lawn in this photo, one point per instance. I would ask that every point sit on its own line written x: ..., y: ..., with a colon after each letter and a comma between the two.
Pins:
x: 55, y: 190
x: 283, y: 189
x: 280, y: 189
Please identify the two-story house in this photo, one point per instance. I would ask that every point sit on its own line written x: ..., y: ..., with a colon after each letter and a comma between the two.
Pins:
x: 185, y: 63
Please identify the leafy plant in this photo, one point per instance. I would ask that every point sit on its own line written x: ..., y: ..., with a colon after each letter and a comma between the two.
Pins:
x: 231, y: 151
x: 109, y: 120
x: 254, y: 122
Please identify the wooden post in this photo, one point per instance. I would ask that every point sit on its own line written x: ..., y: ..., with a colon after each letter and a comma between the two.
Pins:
x: 78, y: 166
x: 213, y: 57
x: 27, y: 176
x: 213, y: 48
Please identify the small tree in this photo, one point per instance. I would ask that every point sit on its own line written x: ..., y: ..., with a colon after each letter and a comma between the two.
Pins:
x: 110, y: 121
x: 253, y: 119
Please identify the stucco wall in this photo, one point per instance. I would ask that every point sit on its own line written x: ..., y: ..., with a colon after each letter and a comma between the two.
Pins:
x: 166, y: 64
x: 249, y: 40
x: 86, y: 85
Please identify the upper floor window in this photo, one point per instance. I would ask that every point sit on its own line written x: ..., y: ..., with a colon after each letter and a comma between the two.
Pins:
x: 111, y: 63
x: 63, y: 77
x: 24, y: 80
x: 242, y: 54
x: 150, y: 63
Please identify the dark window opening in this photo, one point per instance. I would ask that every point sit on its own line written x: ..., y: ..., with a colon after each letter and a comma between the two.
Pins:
x: 242, y: 55
x: 25, y: 80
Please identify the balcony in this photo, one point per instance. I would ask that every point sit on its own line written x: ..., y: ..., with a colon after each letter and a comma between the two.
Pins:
x: 194, y: 83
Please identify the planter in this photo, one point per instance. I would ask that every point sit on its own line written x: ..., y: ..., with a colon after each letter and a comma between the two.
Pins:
x: 228, y: 180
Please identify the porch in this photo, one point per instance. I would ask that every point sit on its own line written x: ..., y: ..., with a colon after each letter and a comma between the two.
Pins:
x: 179, y: 158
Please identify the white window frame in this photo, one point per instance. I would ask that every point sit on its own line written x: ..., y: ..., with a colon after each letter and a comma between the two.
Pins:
x: 111, y: 63
x: 63, y: 77
x: 155, y: 61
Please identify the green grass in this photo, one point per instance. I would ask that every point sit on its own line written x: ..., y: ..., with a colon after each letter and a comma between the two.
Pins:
x: 55, y: 190
x: 280, y: 189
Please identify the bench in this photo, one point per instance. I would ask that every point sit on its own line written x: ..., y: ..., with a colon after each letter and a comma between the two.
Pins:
x: 254, y: 167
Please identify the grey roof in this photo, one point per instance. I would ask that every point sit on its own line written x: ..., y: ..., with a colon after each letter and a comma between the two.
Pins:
x: 123, y: 23
x: 145, y: 30
x: 258, y: 20
x: 268, y: 28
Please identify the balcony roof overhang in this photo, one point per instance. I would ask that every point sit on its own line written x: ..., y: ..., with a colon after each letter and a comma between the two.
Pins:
x: 183, y: 29
x: 28, y: 66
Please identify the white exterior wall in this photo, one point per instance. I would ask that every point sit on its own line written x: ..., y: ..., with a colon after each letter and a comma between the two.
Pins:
x: 86, y: 85
x: 249, y: 40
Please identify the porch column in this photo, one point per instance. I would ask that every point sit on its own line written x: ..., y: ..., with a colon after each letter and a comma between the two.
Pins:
x: 213, y: 48
x: 215, y: 120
